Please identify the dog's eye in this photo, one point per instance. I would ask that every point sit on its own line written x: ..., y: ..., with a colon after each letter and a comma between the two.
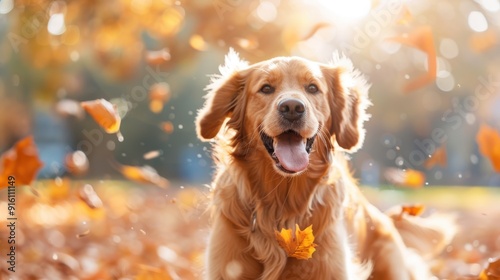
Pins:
x: 267, y: 89
x: 312, y: 88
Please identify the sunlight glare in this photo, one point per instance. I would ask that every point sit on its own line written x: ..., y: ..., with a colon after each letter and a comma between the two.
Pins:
x: 348, y: 10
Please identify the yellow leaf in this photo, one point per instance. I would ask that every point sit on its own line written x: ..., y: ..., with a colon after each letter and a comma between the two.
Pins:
x: 300, y: 246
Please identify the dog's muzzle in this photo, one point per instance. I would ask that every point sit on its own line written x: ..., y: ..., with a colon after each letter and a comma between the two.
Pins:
x: 289, y: 150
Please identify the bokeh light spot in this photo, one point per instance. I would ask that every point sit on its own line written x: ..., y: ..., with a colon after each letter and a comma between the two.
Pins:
x: 56, y: 25
x: 266, y: 11
x: 477, y: 21
x: 6, y: 6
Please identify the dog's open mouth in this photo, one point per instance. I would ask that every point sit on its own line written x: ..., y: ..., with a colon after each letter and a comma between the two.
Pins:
x: 289, y: 150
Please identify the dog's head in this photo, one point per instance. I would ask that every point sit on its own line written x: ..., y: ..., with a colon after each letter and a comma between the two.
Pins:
x: 285, y: 107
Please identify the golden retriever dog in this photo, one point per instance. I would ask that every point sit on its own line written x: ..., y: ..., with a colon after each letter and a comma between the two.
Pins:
x: 281, y: 129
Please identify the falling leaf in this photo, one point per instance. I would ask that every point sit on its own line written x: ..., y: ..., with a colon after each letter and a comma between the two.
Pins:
x: 77, y: 163
x: 492, y: 271
x: 439, y: 158
x: 422, y: 39
x: 68, y: 107
x: 413, y: 210
x: 21, y: 162
x: 143, y: 174
x: 483, y: 41
x: 157, y: 57
x: 159, y: 94
x: 89, y: 196
x: 405, y: 178
x: 488, y: 140
x: 152, y: 154
x: 104, y: 113
x: 168, y: 127
x: 299, y: 245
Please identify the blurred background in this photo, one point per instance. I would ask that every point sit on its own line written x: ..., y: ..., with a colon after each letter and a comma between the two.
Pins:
x: 109, y: 91
x: 434, y: 69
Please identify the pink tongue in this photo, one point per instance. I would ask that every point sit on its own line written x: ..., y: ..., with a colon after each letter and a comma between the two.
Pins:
x: 291, y: 152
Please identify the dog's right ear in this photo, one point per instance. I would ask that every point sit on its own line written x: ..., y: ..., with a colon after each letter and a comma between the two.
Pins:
x: 223, y: 97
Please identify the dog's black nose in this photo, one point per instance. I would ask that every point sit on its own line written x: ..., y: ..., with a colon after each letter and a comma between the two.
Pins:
x: 291, y: 109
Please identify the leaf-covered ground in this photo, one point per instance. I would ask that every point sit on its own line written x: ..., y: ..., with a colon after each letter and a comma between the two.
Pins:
x: 145, y: 232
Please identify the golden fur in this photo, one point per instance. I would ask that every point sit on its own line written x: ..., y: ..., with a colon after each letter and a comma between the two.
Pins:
x: 253, y: 197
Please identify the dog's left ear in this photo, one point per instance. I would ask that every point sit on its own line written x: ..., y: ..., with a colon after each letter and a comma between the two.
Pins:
x: 348, y: 100
x: 224, y: 98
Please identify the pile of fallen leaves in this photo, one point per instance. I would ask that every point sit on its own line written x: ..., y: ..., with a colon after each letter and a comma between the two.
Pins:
x: 145, y: 232
x: 106, y: 230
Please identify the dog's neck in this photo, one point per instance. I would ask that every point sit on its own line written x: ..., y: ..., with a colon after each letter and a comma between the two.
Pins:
x: 286, y: 200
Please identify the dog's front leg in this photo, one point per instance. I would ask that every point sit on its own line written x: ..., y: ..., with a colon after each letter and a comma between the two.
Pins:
x: 227, y: 255
x: 338, y: 262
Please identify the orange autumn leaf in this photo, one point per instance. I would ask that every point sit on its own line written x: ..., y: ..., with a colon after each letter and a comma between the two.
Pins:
x: 21, y: 162
x: 422, y: 39
x: 104, y: 113
x: 157, y: 57
x: 159, y: 94
x: 492, y: 271
x: 439, y: 158
x: 143, y: 174
x: 483, y: 41
x: 413, y: 210
x: 405, y: 178
x: 168, y: 127
x: 299, y: 245
x: 488, y: 140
